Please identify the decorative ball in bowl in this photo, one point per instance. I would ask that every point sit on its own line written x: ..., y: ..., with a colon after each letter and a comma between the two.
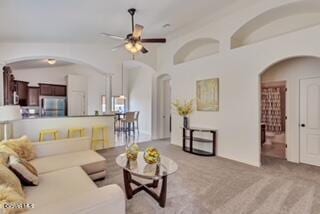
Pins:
x: 132, y: 152
x: 151, y: 155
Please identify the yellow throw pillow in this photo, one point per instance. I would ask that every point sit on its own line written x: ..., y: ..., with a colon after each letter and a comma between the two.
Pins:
x: 22, y: 146
x: 26, y: 173
x: 8, y: 196
x: 10, y: 179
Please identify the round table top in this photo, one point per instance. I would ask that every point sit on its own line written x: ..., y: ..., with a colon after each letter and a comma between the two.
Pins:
x: 142, y: 169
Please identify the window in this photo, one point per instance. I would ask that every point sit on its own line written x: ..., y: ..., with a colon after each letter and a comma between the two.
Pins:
x: 118, y: 104
x: 104, y: 103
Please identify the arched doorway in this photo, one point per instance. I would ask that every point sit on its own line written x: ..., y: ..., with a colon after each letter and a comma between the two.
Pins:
x: 36, y: 69
x: 164, y: 106
x: 290, y: 94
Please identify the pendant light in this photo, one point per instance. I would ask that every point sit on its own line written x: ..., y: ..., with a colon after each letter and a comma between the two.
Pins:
x: 122, y: 95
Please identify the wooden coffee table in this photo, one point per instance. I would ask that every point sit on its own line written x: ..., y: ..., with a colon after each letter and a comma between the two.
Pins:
x: 152, y: 172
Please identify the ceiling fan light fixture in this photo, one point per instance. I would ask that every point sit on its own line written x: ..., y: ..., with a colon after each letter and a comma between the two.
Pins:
x: 138, y: 46
x: 129, y: 46
x: 134, y: 47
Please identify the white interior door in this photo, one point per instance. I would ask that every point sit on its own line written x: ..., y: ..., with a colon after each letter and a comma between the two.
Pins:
x: 166, y: 108
x: 77, y: 103
x: 310, y: 121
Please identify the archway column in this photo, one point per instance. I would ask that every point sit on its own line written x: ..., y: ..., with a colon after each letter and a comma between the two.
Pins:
x: 108, y: 93
x: 2, y: 64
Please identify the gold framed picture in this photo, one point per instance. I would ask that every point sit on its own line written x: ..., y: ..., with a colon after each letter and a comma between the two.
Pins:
x: 208, y: 95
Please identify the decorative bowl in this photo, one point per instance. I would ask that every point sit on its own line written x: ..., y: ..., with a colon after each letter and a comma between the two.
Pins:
x: 132, y: 152
x: 151, y: 155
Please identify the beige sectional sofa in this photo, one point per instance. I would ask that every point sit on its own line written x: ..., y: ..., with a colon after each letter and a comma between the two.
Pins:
x: 67, y: 169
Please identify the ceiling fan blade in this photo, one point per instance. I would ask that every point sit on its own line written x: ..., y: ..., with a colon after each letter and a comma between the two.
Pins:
x: 154, y: 40
x: 137, y: 32
x: 113, y: 36
x: 118, y: 47
x: 144, y: 50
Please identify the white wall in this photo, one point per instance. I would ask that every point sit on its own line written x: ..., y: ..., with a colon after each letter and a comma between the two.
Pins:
x: 292, y: 71
x: 238, y: 121
x: 140, y: 96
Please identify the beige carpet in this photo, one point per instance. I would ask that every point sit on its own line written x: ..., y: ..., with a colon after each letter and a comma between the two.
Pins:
x: 216, y: 185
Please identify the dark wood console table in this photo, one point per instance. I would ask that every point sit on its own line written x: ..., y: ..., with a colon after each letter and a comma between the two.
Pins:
x: 188, y: 135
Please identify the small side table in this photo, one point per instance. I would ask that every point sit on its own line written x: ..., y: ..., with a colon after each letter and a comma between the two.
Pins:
x: 188, y: 135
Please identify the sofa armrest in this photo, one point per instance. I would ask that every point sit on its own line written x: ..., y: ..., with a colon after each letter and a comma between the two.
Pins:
x: 107, y: 199
x: 56, y: 147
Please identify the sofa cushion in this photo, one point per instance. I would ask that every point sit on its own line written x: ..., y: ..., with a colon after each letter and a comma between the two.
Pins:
x: 54, y: 186
x: 63, y: 161
x: 106, y: 199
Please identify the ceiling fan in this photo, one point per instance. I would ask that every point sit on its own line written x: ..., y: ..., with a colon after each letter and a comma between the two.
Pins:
x: 133, y: 41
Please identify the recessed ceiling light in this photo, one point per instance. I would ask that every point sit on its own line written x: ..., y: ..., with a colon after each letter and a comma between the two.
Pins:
x: 51, y: 61
x: 166, y: 25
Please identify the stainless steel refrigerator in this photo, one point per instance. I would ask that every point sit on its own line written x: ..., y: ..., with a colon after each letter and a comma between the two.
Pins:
x: 53, y: 106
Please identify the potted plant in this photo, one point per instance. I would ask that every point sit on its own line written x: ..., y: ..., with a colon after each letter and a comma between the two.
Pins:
x: 184, y: 110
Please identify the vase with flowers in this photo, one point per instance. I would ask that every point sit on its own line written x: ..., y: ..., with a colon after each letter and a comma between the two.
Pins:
x: 184, y: 109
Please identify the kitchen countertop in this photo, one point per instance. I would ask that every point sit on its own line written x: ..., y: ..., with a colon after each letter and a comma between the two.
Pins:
x: 102, y: 115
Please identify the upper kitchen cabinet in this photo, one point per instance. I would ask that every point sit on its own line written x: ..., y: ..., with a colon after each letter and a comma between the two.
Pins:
x: 21, y: 88
x: 33, y: 96
x: 60, y: 90
x: 53, y: 90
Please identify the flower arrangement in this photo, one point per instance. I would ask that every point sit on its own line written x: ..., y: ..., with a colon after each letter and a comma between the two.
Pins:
x: 151, y: 155
x: 183, y: 109
x: 132, y: 152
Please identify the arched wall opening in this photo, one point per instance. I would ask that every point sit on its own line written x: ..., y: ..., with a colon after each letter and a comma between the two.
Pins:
x: 277, y: 21
x: 140, y: 95
x: 66, y: 71
x: 196, y: 49
x: 294, y: 72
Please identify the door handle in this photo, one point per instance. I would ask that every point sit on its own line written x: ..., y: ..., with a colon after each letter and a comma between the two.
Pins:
x: 303, y: 125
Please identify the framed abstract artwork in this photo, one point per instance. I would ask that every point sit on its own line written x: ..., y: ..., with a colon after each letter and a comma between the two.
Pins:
x: 208, y: 95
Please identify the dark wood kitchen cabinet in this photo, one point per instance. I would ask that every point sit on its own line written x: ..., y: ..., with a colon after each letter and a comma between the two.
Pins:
x: 60, y: 90
x: 33, y: 96
x: 52, y: 90
x: 21, y: 87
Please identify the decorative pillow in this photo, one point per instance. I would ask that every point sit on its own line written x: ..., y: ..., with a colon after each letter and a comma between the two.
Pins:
x: 4, y: 158
x: 5, y: 149
x: 10, y: 179
x: 9, y: 196
x: 27, y: 174
x: 22, y: 146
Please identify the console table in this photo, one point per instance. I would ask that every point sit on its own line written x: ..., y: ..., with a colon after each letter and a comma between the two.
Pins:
x: 188, y: 135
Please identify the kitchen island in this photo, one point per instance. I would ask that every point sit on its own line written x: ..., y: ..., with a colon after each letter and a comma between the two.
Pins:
x: 33, y: 126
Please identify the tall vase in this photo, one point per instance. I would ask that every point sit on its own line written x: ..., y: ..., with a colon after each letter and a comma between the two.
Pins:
x: 186, y: 122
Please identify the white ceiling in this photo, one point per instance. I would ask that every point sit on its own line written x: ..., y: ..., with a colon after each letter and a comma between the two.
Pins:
x: 37, y: 63
x: 83, y: 20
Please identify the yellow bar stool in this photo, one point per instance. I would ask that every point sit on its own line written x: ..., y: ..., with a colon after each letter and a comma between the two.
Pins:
x: 100, y: 135
x: 53, y: 133
x: 76, y: 132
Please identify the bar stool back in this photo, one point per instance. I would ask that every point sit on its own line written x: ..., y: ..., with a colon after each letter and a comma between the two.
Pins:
x: 53, y: 133
x: 76, y: 132
x: 100, y: 135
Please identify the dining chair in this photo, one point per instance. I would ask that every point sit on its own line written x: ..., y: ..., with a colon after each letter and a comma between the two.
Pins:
x: 136, y: 120
x: 128, y: 121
